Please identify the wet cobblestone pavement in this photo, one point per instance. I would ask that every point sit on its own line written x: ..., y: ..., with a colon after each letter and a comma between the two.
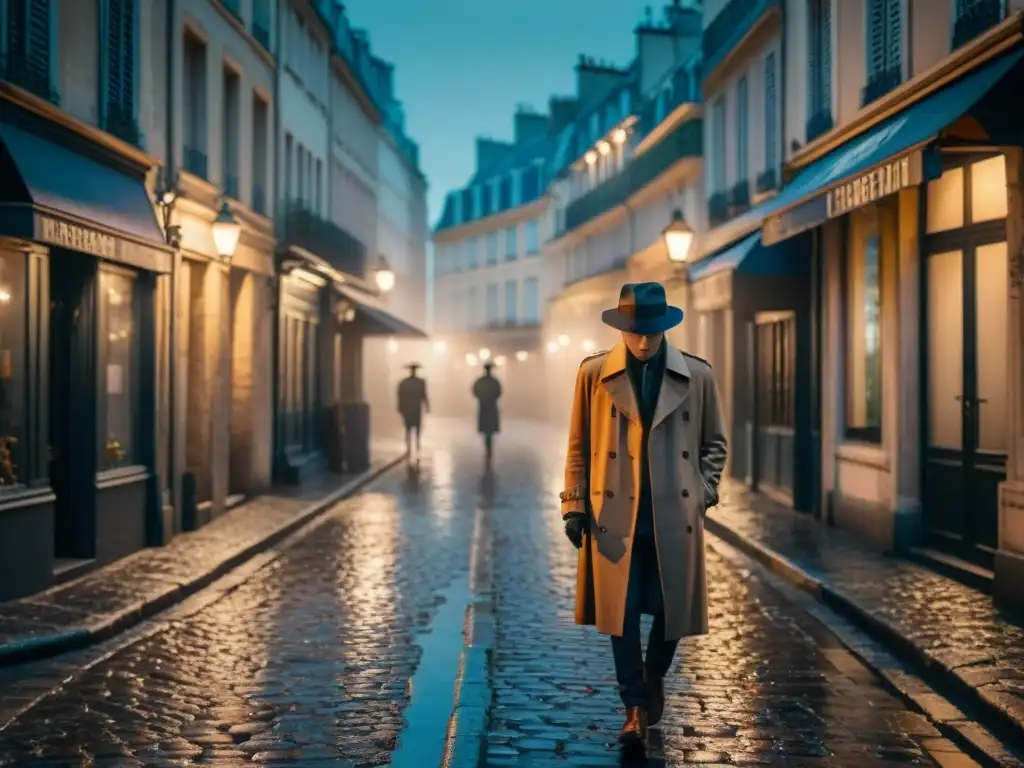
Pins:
x: 767, y: 686
x: 307, y: 660
x: 953, y: 626
x: 305, y: 664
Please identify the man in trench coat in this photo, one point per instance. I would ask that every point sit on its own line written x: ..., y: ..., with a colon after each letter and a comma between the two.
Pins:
x: 646, y: 451
x: 487, y: 391
x: 412, y: 401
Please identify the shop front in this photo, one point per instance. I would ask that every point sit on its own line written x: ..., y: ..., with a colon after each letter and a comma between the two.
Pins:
x: 919, y: 219
x: 750, y: 318
x: 322, y: 420
x: 83, y: 281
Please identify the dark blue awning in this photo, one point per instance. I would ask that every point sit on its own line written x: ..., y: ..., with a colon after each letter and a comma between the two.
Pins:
x: 73, y: 201
x: 376, y: 319
x: 881, y: 161
x: 747, y: 257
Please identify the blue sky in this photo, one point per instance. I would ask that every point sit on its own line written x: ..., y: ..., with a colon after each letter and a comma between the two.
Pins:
x: 462, y: 66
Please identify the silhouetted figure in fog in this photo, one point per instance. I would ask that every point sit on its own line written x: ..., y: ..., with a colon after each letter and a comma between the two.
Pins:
x: 412, y: 401
x: 487, y: 390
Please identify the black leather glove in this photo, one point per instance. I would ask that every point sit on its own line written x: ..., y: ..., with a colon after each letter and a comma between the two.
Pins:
x: 575, y: 527
x: 710, y: 497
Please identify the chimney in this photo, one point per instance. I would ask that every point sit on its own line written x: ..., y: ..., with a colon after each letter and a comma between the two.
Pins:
x: 490, y: 152
x: 529, y: 126
x: 334, y: 12
x: 663, y: 45
x: 596, y: 79
x: 562, y: 110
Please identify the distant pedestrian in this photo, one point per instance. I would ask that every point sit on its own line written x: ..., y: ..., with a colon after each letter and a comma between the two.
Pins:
x: 487, y: 391
x: 646, y: 450
x: 412, y: 401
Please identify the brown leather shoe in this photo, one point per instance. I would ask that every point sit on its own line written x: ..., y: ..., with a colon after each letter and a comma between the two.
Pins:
x: 655, y: 698
x: 634, y: 730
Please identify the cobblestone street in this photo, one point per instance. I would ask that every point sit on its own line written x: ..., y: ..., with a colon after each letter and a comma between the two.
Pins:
x: 311, y: 660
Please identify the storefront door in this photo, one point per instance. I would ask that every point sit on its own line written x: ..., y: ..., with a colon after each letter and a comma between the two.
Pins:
x: 966, y: 438
x: 775, y: 385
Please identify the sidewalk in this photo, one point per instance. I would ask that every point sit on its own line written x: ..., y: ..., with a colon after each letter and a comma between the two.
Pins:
x: 955, y: 633
x: 107, y: 601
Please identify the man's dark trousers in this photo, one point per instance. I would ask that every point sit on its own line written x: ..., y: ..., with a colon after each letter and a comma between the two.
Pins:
x: 644, y: 593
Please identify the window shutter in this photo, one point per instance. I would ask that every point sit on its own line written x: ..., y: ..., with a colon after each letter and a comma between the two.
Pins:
x: 825, y: 101
x: 813, y: 55
x: 769, y: 111
x: 121, y: 58
x: 38, y: 35
x: 877, y: 12
x: 892, y: 25
x: 741, y: 129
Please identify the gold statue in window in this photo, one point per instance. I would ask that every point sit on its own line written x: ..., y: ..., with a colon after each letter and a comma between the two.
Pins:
x: 8, y: 476
x: 115, y: 452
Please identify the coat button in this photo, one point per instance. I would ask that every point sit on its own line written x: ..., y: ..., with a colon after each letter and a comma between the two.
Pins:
x: 686, y: 454
x: 686, y: 415
x: 608, y: 494
x: 602, y: 529
x: 689, y: 529
x: 611, y: 454
x: 632, y: 498
x: 686, y: 494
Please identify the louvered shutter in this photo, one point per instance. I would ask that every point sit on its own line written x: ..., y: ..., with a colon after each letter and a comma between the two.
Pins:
x: 892, y: 30
x: 877, y: 12
x: 28, y: 42
x: 813, y: 46
x: 825, y: 101
x: 769, y: 111
x: 121, y: 59
x: 38, y: 54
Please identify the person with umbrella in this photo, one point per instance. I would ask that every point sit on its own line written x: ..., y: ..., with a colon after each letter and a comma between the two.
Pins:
x: 412, y: 401
x: 487, y: 391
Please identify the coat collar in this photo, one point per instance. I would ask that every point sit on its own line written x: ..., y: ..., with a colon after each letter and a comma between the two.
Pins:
x: 674, y: 389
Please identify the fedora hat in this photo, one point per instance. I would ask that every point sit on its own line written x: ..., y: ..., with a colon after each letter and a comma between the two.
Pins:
x: 412, y: 366
x: 643, y: 309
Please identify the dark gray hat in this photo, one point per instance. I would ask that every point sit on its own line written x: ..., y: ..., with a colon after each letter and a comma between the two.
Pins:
x: 643, y: 309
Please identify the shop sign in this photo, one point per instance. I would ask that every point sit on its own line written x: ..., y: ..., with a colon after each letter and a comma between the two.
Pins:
x: 77, y: 237
x: 887, y: 179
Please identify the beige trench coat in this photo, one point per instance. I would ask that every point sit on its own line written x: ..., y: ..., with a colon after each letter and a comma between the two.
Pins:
x: 687, y: 452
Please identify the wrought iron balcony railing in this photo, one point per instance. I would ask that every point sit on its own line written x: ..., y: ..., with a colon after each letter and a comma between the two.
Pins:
x: 739, y: 197
x: 684, y: 141
x: 718, y: 208
x: 259, y: 199
x: 195, y: 161
x: 729, y: 27
x: 121, y: 123
x: 974, y: 17
x: 767, y: 180
x: 879, y: 84
x: 339, y: 248
x: 231, y: 183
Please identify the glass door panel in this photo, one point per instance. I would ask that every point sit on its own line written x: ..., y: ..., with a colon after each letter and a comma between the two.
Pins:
x: 945, y: 350
x: 991, y: 290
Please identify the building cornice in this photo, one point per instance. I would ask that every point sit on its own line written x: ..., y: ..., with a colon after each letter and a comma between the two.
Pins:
x: 340, y: 65
x: 487, y: 224
x: 767, y: 24
x: 987, y: 46
x: 681, y: 114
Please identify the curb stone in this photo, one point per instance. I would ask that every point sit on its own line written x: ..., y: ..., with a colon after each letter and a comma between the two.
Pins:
x: 467, y: 726
x: 945, y: 716
x: 48, y: 646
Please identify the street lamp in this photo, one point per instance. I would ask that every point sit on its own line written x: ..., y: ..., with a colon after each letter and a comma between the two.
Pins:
x: 563, y: 340
x: 440, y: 347
x: 384, y: 275
x: 678, y: 236
x: 552, y: 347
x: 500, y: 360
x: 521, y: 355
x: 392, y: 345
x: 589, y: 346
x: 226, y: 232
x: 484, y: 354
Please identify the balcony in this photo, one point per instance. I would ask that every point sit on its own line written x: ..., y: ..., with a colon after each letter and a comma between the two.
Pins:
x: 195, y: 161
x: 974, y: 18
x: 879, y: 84
x: 726, y: 30
x: 121, y: 123
x: 230, y: 183
x: 819, y: 124
x: 684, y: 141
x: 739, y: 198
x: 34, y: 76
x: 718, y: 208
x: 767, y: 181
x: 341, y: 250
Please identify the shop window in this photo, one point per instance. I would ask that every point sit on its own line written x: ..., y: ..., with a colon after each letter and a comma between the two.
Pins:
x: 119, y: 371
x: 863, y: 275
x: 13, y: 451
x: 988, y: 190
x: 945, y: 209
x: 776, y: 350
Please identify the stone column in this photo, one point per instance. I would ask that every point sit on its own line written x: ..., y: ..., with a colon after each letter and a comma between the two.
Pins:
x: 1009, y: 559
x: 242, y: 381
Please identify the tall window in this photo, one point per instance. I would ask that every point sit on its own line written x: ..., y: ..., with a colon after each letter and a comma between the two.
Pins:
x: 473, y: 308
x: 13, y: 451
x: 318, y: 191
x: 29, y: 56
x: 492, y: 303
x: 119, y: 352
x: 260, y: 153
x: 492, y: 248
x: 471, y: 254
x: 884, y: 40
x: 511, y: 244
x: 770, y: 114
x: 289, y: 165
x: 511, y: 302
x: 195, y: 106
x: 119, y: 62
x: 718, y: 145
x: 863, y: 325
x: 229, y: 132
x: 531, y: 301
x: 532, y: 237
x: 300, y: 170
x: 261, y: 22
x: 819, y: 59
x: 742, y: 116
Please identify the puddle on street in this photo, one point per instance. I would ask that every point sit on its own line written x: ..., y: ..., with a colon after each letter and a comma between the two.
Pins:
x: 432, y: 688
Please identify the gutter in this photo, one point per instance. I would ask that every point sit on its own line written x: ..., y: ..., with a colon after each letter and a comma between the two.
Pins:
x: 172, y: 332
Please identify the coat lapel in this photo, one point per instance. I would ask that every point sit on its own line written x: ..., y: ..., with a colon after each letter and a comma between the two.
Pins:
x: 617, y: 384
x: 675, y: 386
